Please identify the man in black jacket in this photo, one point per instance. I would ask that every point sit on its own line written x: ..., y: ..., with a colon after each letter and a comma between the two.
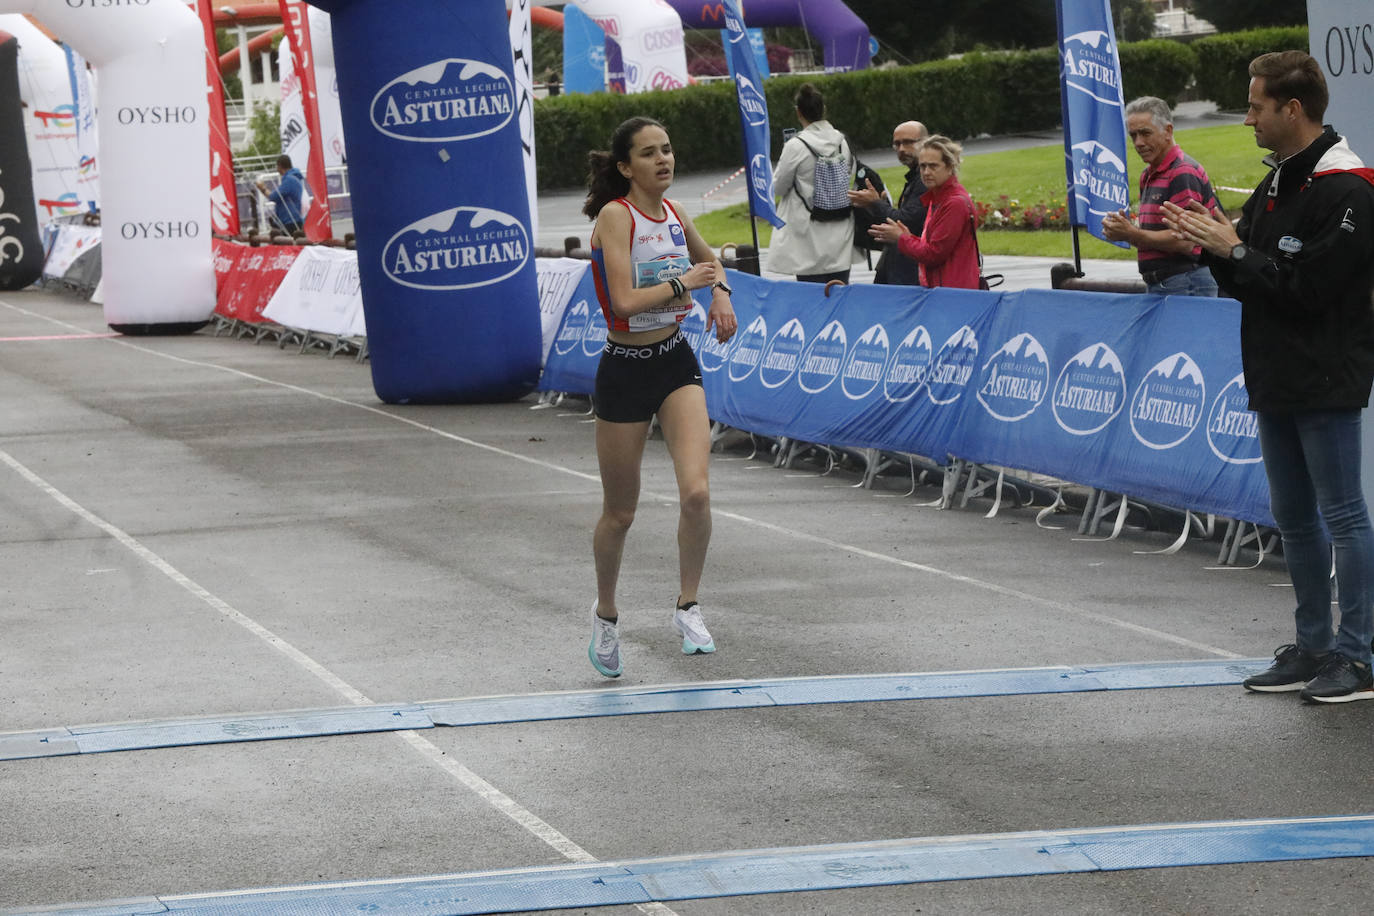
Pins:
x: 1301, y: 262
x: 894, y: 267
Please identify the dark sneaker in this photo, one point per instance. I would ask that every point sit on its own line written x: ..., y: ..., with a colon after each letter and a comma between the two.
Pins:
x: 1341, y: 680
x: 1292, y: 669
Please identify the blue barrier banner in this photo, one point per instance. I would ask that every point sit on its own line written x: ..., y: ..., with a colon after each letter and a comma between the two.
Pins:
x: 1140, y: 395
x: 445, y: 253
x: 753, y: 114
x: 1094, y: 113
x: 1135, y: 394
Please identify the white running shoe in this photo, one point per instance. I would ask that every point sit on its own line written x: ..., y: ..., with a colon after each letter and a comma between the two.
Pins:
x: 695, y: 636
x: 604, y: 649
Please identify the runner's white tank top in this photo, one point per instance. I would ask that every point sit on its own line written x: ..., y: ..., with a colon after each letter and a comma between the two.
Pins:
x: 658, y: 251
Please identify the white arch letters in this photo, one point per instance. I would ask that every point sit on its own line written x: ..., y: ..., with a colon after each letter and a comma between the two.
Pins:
x: 154, y: 161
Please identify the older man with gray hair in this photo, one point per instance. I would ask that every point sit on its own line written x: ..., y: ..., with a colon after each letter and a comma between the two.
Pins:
x: 1170, y: 266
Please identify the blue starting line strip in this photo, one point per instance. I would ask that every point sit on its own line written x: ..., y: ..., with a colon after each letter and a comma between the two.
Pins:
x: 348, y: 720
x: 779, y: 871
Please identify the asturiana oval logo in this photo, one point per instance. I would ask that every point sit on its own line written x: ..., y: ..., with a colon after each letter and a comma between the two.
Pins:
x: 910, y: 365
x: 1018, y: 377
x: 1232, y: 429
x: 783, y: 354
x: 751, y: 101
x: 594, y: 337
x: 712, y: 354
x: 693, y: 326
x: 749, y: 350
x: 453, y: 99
x: 574, y: 326
x: 761, y: 175
x: 953, y: 367
x: 823, y: 359
x: 867, y: 360
x: 460, y: 248
x: 1090, y: 391
x: 1168, y: 403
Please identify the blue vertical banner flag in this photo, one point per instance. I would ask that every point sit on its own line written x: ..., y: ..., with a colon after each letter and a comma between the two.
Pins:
x: 753, y: 114
x: 1094, y: 113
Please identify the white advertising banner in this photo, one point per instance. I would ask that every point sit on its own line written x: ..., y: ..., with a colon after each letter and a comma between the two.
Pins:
x: 327, y: 89
x: 649, y: 33
x: 320, y: 293
x: 154, y: 152
x: 558, y: 280
x: 50, y: 120
x: 1341, y: 34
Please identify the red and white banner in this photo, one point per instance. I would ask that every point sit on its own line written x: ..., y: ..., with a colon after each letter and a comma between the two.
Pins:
x: 224, y: 209
x: 251, y: 278
x: 302, y: 142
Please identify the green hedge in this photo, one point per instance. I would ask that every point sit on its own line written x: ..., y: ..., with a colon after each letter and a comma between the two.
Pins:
x: 980, y: 93
x: 1223, y: 61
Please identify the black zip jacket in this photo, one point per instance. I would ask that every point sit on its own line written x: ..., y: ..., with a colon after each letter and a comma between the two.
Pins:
x: 1305, y: 285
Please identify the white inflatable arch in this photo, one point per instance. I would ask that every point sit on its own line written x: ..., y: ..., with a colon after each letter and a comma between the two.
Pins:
x: 649, y: 33
x: 158, y: 276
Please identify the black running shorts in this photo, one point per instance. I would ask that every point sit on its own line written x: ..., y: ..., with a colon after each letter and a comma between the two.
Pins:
x: 633, y: 382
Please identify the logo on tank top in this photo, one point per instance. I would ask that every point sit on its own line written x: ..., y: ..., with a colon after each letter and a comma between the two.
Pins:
x: 864, y: 368
x: 676, y: 234
x: 910, y: 366
x: 1167, y: 405
x: 1090, y: 391
x: 460, y: 248
x: 1018, y: 376
x: 953, y: 367
x: 1232, y: 429
x: 453, y: 99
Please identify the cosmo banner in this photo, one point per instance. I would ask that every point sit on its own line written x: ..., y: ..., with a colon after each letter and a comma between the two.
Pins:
x: 327, y: 89
x: 1341, y: 33
x: 1134, y: 394
x: 648, y: 34
x: 1094, y: 113
x: 50, y: 121
x: 154, y: 155
x: 445, y: 254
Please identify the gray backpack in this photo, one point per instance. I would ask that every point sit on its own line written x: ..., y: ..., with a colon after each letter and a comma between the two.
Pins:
x: 830, y: 202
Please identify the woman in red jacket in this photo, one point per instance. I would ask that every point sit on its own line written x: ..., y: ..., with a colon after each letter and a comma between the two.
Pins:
x: 946, y: 249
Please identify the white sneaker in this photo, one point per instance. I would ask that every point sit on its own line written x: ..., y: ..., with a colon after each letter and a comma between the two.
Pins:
x: 695, y: 636
x: 604, y: 649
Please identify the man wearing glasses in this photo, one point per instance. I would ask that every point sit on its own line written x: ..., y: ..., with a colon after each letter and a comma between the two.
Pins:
x: 894, y: 268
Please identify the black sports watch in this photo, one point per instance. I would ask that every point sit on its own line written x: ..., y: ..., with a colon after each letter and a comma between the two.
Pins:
x: 722, y: 285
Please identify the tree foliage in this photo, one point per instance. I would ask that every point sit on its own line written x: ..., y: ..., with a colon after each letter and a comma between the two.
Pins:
x: 1234, y: 15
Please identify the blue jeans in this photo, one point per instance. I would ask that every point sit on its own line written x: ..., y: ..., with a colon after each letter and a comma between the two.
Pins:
x: 1312, y: 460
x: 1198, y: 282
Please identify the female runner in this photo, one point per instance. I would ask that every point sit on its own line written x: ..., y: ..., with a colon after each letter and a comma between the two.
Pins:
x: 646, y: 258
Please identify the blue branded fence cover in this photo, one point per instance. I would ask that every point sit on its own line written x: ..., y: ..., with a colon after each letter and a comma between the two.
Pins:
x: 1136, y: 394
x: 1094, y: 113
x: 445, y: 255
x: 753, y: 114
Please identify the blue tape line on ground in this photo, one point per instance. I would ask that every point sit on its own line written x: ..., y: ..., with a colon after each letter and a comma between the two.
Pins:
x: 622, y: 702
x: 774, y: 871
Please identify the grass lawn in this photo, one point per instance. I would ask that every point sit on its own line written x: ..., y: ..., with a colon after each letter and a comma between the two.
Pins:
x: 1228, y: 152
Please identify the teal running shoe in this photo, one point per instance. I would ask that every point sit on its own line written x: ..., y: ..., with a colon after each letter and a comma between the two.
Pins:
x: 695, y: 637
